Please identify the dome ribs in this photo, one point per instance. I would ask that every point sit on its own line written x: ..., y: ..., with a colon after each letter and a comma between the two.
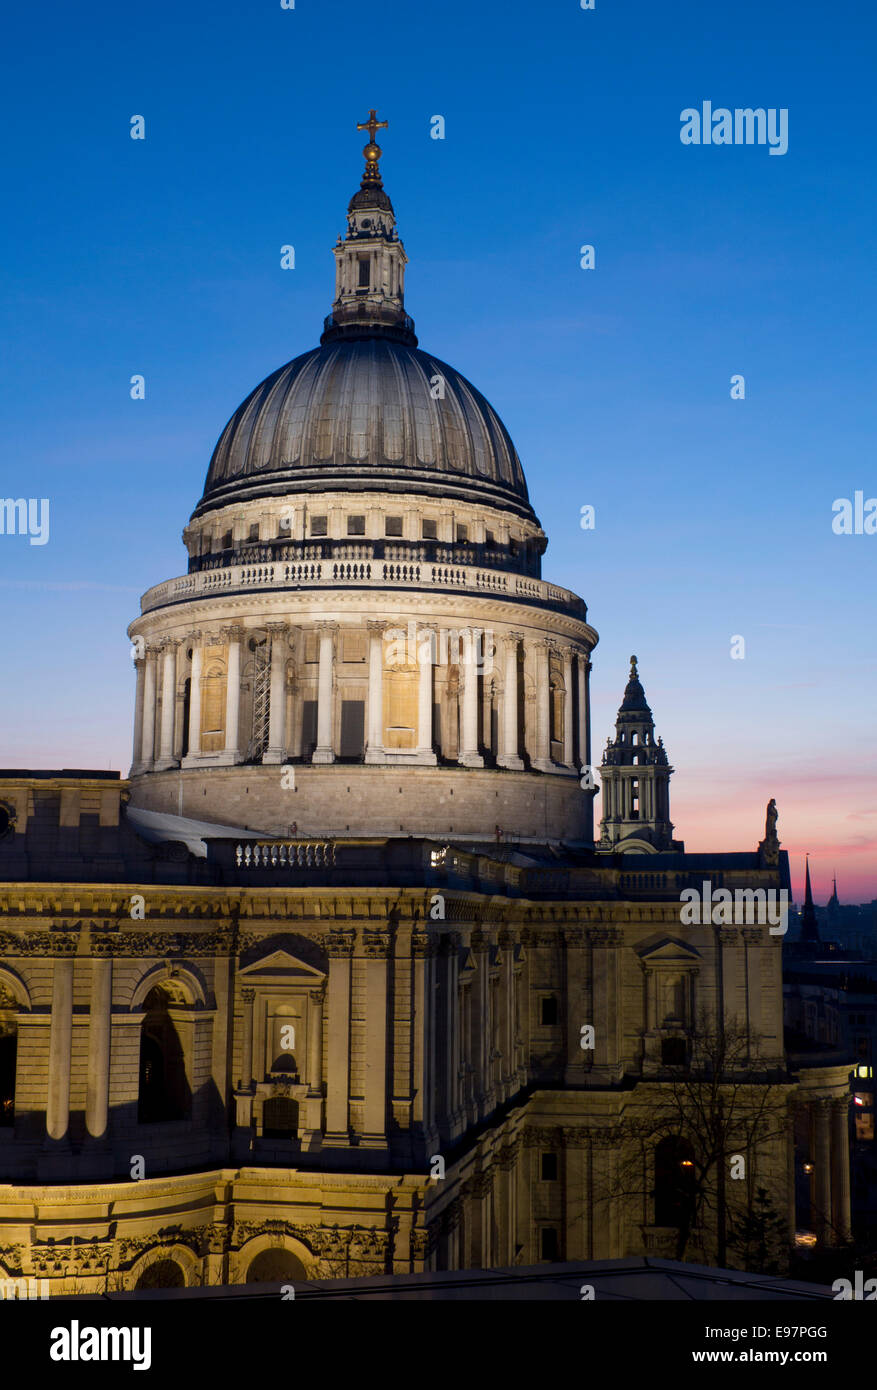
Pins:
x: 360, y: 413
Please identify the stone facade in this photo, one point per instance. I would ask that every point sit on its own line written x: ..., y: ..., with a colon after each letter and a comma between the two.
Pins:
x: 337, y: 981
x: 443, y: 1021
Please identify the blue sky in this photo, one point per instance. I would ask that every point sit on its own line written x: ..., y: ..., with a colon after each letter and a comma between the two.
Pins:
x: 562, y: 128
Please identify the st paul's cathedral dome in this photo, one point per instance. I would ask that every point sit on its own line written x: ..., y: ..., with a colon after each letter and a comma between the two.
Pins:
x: 364, y: 643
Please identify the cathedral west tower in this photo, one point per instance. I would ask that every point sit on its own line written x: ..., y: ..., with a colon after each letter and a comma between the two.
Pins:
x: 635, y: 775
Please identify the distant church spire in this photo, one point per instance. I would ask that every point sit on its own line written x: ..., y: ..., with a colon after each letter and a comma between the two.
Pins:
x: 370, y: 261
x: 809, y: 928
x: 635, y: 778
x: 832, y: 907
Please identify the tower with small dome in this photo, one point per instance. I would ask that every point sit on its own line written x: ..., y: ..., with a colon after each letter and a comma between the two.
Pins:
x: 635, y: 780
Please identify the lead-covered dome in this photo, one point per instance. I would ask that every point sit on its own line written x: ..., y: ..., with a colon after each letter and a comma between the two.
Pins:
x: 366, y: 414
x: 367, y: 410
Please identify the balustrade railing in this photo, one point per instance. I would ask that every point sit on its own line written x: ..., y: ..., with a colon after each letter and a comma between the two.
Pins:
x: 285, y: 854
x: 362, y: 573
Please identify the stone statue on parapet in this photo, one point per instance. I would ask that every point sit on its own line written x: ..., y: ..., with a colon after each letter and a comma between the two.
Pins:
x: 769, y: 848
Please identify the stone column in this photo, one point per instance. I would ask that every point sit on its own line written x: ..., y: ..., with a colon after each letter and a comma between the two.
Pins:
x: 338, y: 1080
x: 139, y: 667
x: 509, y: 752
x: 247, y: 995
x: 195, y: 696
x: 542, y: 742
x: 97, y: 1093
x: 584, y: 710
x: 421, y: 1083
x: 233, y: 636
x: 315, y: 1042
x: 469, y: 755
x: 324, y: 752
x: 567, y: 706
x: 511, y: 1022
x: 147, y: 746
x: 791, y: 1193
x: 840, y: 1169
x: 822, y: 1164
x: 168, y: 701
x: 60, y: 1040
x: 604, y: 1004
x: 375, y: 1109
x: 276, y: 750
x: 374, y: 752
x: 732, y: 983
x: 651, y: 1000
x: 575, y: 945
x: 425, y: 642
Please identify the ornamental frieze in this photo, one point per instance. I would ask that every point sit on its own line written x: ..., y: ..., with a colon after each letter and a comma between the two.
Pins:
x: 130, y: 1248
x: 248, y: 940
x: 423, y: 945
x: 170, y: 943
x: 535, y: 1136
x: 39, y: 943
x: 325, y: 1242
x: 607, y: 936
x: 418, y: 1243
x: 377, y: 944
x: 532, y: 936
x: 507, y: 1155
x: 70, y: 1256
x: 340, y: 942
x: 481, y: 1183
x: 11, y: 1258
x: 577, y: 937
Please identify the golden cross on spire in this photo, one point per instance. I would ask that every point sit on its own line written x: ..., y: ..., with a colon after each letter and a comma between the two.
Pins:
x: 372, y: 151
x: 372, y: 124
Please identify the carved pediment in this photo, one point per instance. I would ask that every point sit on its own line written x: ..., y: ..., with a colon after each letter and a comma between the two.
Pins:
x: 282, y: 965
x: 668, y: 951
x: 467, y: 963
